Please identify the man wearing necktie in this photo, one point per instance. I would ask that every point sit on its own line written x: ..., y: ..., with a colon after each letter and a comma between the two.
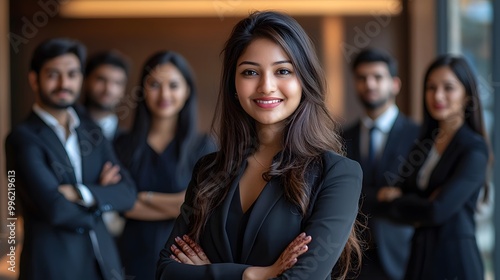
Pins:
x: 378, y: 141
x: 67, y: 175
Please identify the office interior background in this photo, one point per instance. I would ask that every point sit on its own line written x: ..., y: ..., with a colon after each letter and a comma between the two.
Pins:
x: 414, y: 31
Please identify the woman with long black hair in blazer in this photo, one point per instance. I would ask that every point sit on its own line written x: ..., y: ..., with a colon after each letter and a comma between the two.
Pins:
x: 279, y: 172
x: 160, y: 153
x: 443, y: 176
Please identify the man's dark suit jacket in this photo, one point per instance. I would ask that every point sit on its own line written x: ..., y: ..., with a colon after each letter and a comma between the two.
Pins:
x: 273, y: 223
x: 57, y: 242
x: 392, y: 241
x: 444, y: 245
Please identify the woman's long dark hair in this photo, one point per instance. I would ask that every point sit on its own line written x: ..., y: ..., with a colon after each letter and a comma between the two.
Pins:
x: 186, y: 131
x: 473, y: 110
x: 308, y: 133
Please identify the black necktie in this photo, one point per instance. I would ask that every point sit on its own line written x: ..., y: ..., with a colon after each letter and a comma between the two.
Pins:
x: 371, y: 146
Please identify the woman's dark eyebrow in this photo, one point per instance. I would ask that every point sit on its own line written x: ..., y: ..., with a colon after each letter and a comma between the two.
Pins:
x: 256, y: 64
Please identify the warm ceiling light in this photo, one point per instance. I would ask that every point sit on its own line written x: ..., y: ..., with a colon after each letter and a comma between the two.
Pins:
x: 223, y: 8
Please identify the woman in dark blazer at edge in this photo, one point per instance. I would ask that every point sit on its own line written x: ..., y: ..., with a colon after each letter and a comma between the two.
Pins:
x: 441, y: 180
x: 279, y: 172
x: 160, y: 153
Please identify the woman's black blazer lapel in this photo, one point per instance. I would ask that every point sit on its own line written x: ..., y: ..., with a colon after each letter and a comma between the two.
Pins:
x: 218, y: 231
x: 265, y: 202
x: 448, y: 159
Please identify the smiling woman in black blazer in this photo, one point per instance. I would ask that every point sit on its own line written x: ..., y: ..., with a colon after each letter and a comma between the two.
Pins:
x: 278, y: 173
x: 443, y: 176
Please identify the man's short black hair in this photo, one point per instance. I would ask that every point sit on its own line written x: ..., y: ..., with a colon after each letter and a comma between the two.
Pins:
x: 111, y: 57
x: 55, y: 47
x: 376, y: 55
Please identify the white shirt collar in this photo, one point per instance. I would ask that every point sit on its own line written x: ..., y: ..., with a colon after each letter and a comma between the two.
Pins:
x: 384, y: 122
x: 108, y: 125
x: 47, y: 118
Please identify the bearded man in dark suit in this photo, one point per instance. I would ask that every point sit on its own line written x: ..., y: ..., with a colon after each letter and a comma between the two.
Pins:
x: 67, y: 175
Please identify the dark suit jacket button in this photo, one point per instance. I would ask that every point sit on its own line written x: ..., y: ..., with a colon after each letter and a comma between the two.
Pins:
x: 80, y: 230
x: 107, y: 207
x: 97, y: 213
